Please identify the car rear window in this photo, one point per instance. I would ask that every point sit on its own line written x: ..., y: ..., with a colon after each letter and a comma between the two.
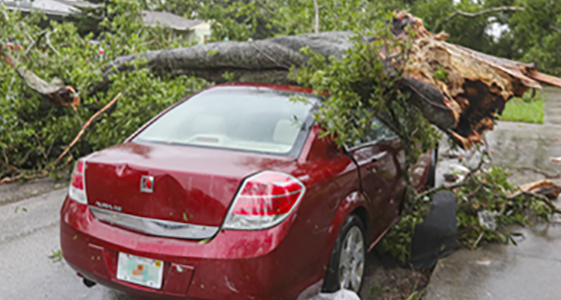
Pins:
x: 250, y: 119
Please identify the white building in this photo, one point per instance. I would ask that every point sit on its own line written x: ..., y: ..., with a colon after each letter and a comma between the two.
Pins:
x: 57, y: 9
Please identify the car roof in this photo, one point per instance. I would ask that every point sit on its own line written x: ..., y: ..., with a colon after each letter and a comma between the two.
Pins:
x: 271, y: 86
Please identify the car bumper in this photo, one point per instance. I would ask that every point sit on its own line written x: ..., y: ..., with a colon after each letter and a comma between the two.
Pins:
x: 233, y: 265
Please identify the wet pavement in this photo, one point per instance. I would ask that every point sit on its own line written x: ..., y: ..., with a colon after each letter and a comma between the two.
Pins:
x: 10, y: 193
x: 530, y: 270
x: 526, y: 149
x: 29, y: 235
x: 552, y: 107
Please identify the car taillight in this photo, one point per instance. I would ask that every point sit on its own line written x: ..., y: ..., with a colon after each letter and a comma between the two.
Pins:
x: 77, y: 188
x: 264, y: 200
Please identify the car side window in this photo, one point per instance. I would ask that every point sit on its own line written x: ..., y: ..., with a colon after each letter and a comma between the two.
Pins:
x: 378, y: 132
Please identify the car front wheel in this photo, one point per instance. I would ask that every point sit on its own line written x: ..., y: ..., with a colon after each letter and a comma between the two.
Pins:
x: 347, y: 263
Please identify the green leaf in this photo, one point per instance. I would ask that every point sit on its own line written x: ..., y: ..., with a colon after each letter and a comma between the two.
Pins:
x: 204, y: 241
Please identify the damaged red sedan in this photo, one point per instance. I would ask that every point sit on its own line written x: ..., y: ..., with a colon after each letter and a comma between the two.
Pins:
x: 232, y: 194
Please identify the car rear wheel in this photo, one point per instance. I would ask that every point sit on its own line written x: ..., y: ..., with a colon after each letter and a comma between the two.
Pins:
x: 347, y: 263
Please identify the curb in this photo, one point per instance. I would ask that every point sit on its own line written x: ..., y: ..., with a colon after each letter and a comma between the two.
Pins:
x: 14, y: 192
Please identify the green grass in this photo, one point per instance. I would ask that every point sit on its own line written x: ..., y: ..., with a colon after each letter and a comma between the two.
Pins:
x: 519, y: 110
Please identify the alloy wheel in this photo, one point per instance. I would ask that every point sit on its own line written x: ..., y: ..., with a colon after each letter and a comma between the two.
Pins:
x: 351, y: 263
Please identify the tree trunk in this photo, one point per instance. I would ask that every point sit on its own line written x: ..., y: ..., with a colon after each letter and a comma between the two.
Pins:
x: 264, y: 60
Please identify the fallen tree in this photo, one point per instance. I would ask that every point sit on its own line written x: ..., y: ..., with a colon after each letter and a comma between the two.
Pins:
x: 459, y: 90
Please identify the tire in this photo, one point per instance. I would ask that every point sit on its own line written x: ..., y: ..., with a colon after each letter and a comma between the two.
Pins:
x: 431, y: 177
x: 345, y: 257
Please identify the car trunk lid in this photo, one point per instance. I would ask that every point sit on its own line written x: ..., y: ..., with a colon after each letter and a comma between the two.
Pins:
x: 192, y: 185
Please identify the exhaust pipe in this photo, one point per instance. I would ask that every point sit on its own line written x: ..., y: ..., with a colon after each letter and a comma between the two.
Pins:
x: 88, y: 282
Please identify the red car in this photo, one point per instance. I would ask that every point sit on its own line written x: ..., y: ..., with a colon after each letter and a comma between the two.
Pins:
x: 232, y: 194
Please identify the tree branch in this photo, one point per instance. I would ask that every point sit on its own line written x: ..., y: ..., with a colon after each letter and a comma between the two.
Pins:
x: 316, y: 23
x: 469, y: 177
x: 540, y: 197
x: 33, y: 42
x: 477, y: 14
x: 443, y: 104
x: 484, y: 12
x: 4, y: 13
x: 86, y: 125
x: 61, y: 95
x: 48, y: 41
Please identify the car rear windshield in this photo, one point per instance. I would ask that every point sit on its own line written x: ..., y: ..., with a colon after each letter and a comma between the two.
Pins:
x: 250, y: 119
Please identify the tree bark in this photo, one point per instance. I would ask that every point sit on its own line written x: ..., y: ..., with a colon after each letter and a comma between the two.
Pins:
x: 263, y: 60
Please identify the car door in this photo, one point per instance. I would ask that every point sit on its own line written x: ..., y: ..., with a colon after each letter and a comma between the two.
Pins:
x: 378, y: 158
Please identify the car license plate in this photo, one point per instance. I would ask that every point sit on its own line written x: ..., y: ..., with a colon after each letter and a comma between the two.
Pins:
x: 140, y: 270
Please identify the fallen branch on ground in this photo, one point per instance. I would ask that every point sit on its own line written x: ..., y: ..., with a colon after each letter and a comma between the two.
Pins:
x: 85, y: 126
x: 544, y: 199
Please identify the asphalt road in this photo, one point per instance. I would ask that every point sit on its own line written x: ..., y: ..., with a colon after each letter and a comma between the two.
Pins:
x: 28, y: 237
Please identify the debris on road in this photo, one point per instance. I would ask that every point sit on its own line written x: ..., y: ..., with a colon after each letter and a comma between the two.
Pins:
x: 543, y: 187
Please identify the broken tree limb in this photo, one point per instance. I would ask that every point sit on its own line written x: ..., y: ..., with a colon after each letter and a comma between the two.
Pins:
x: 60, y: 95
x: 483, y: 12
x: 543, y: 187
x: 49, y: 44
x: 316, y: 19
x: 477, y: 14
x: 85, y: 126
x: 475, y: 86
x: 464, y: 103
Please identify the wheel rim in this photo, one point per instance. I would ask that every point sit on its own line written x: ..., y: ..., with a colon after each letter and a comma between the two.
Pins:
x: 351, y: 263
